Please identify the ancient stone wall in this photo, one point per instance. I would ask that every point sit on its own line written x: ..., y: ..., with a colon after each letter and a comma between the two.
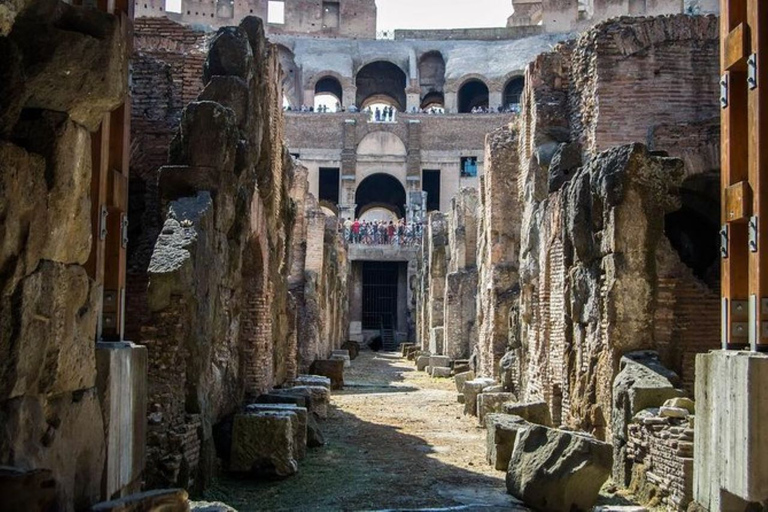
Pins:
x: 63, y: 69
x: 223, y: 324
x: 573, y: 100
x: 167, y: 69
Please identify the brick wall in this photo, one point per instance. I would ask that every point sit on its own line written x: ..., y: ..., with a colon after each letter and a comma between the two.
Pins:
x: 167, y: 70
x: 662, y: 449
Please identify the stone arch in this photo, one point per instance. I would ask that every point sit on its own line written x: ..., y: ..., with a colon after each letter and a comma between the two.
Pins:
x: 380, y: 190
x: 431, y: 74
x: 381, y: 143
x: 473, y: 93
x: 513, y: 90
x: 381, y: 78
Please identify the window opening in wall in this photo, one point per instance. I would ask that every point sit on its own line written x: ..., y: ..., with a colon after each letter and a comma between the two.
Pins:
x: 276, y: 12
x: 331, y: 15
x: 173, y: 6
x: 329, y: 185
x: 430, y: 183
x: 379, y: 294
x: 225, y: 9
x: 381, y: 82
x: 469, y: 167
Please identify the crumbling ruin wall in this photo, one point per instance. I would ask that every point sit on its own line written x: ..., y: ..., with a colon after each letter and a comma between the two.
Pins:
x: 577, y: 102
x: 166, y: 74
x: 223, y: 323
x: 497, y: 250
x: 63, y: 69
x: 461, y: 281
x: 318, y: 280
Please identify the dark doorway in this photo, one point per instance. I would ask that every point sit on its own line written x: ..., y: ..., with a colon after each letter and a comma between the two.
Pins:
x: 329, y: 185
x: 513, y: 92
x: 430, y: 183
x: 380, y: 190
x: 383, y: 80
x: 379, y: 294
x: 473, y: 94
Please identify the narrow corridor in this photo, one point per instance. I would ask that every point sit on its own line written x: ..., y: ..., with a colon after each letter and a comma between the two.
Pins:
x: 396, y: 439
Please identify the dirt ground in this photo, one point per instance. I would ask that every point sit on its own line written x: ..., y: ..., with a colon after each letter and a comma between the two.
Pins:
x: 395, y: 439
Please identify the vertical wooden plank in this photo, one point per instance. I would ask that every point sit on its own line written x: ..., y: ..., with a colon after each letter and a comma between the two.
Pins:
x: 735, y: 266
x: 757, y: 106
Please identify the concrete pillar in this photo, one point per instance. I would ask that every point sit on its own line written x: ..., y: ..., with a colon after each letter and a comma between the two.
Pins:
x: 122, y: 385
x: 356, y: 302
x: 730, y: 445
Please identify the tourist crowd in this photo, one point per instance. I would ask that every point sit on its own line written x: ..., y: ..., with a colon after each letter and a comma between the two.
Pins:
x: 387, y: 114
x: 379, y: 232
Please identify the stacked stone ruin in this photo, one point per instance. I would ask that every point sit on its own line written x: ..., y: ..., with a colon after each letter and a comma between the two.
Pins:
x: 576, y: 257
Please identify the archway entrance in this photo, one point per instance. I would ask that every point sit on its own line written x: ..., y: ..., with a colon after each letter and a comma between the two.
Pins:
x: 473, y: 94
x: 382, y: 79
x: 380, y: 191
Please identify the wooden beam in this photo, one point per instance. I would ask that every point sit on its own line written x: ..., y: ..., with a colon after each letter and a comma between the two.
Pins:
x: 738, y: 202
x: 757, y: 121
x: 736, y: 48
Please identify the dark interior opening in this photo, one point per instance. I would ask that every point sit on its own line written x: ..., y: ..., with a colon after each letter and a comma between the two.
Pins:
x: 380, y: 190
x: 693, y: 229
x: 329, y: 85
x: 472, y: 94
x: 379, y: 293
x: 513, y: 91
x: 430, y: 183
x: 381, y: 79
x: 329, y: 185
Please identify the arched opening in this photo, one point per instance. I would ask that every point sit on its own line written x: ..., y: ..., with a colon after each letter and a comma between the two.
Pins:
x: 328, y: 95
x: 380, y: 191
x: 473, y: 94
x: 382, y: 79
x: 693, y: 229
x: 431, y: 74
x: 433, y: 101
x: 513, y: 92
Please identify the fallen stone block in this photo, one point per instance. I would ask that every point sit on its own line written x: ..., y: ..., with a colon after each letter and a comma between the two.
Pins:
x: 318, y: 401
x: 535, y: 412
x: 170, y: 500
x: 300, y: 426
x: 411, y: 353
x: 262, y: 444
x: 342, y: 357
x: 673, y: 412
x: 352, y: 347
x: 557, y: 471
x: 422, y: 362
x: 502, y: 430
x: 471, y: 389
x: 331, y: 368
x: 488, y: 403
x: 404, y: 348
x: 461, y: 378
x: 312, y: 380
x: 681, y: 403
x: 441, y: 372
x: 340, y: 352
x: 460, y: 366
x: 440, y: 361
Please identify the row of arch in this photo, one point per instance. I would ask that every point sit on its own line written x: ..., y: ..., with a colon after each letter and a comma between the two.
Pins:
x: 371, y: 90
x: 383, y: 82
